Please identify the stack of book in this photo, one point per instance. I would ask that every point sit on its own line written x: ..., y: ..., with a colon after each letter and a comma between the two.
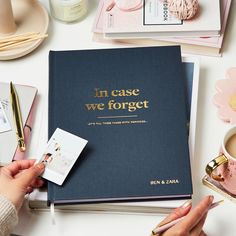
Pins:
x: 155, y: 26
x: 134, y: 117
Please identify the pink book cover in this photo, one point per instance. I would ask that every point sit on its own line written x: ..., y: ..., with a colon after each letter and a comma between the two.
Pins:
x: 208, y: 41
x: 8, y: 139
x: 153, y: 19
x: 98, y: 27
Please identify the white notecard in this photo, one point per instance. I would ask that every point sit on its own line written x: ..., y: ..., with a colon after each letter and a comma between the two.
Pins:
x: 60, y: 154
x: 4, y: 123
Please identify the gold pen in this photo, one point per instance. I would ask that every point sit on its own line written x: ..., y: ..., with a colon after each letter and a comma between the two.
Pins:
x: 17, y: 118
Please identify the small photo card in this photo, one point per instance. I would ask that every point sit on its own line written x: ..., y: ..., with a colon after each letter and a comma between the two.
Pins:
x: 4, y: 123
x: 60, y: 154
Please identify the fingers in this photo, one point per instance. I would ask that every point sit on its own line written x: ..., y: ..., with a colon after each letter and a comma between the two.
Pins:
x: 197, y: 230
x: 30, y: 175
x: 197, y: 214
x: 177, y: 213
x: 37, y: 183
x: 202, y: 233
x: 193, y: 221
x: 29, y: 190
x: 17, y: 166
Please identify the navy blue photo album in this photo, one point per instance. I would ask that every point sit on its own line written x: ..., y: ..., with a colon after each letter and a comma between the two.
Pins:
x: 130, y: 104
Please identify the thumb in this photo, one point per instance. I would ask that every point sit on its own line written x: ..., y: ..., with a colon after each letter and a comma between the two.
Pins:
x: 30, y: 174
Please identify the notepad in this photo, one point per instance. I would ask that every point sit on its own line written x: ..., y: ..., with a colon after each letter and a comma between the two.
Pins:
x: 8, y: 139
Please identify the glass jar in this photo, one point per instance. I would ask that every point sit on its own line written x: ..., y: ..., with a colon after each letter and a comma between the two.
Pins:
x: 68, y: 10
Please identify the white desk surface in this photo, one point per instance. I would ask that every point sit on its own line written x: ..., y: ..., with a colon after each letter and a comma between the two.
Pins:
x: 33, y: 70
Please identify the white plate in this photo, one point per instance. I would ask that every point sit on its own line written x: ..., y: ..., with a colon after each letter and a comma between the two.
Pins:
x: 30, y: 16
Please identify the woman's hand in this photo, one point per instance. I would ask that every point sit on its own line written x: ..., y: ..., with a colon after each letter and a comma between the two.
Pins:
x: 18, y: 179
x: 193, y: 221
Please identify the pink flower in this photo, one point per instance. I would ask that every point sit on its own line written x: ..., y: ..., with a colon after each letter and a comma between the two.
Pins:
x: 225, y: 98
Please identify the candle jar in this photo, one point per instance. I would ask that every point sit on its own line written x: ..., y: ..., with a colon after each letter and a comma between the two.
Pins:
x: 68, y: 10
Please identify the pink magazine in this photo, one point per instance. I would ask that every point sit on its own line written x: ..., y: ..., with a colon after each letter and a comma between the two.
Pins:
x: 26, y: 95
x: 207, y: 41
x: 98, y: 28
x: 153, y: 19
